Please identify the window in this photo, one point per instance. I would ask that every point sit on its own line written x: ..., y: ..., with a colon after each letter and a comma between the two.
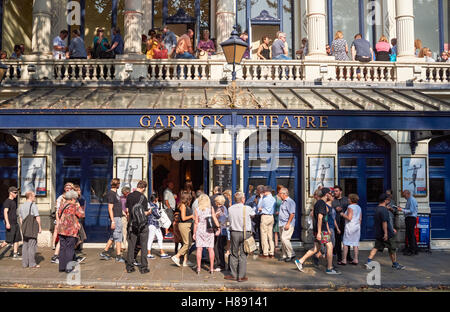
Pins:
x: 375, y: 162
x: 8, y: 162
x: 437, y: 162
x: 71, y: 162
x: 348, y: 162
x: 426, y: 26
x: 346, y: 19
x: 374, y: 189
x: 17, y: 25
x: 437, y: 187
x: 187, y: 5
x: 98, y: 190
x: 350, y: 186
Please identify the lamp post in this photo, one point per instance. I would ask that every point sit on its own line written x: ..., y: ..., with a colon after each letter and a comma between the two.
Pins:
x: 234, y: 49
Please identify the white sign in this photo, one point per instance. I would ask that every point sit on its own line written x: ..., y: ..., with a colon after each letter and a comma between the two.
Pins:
x: 129, y: 171
x: 33, y: 175
x: 321, y: 173
x: 414, y: 175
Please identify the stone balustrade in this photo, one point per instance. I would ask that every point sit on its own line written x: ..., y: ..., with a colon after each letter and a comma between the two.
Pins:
x: 294, y: 71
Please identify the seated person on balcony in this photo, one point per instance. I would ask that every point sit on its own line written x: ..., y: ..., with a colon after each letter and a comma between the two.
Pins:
x: 101, y: 46
x: 169, y: 40
x: 444, y: 57
x: 279, y: 49
x: 303, y: 50
x: 184, y: 48
x: 159, y: 51
x: 17, y: 55
x: 3, y: 55
x: 244, y: 37
x: 427, y: 55
x: 59, y: 45
x: 206, y: 44
x: 361, y: 50
x: 151, y: 44
x: 117, y: 42
x: 339, y: 47
x: 383, y: 50
x: 263, y: 52
x: 76, y: 47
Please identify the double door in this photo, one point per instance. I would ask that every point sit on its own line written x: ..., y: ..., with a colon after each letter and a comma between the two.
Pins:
x: 367, y: 175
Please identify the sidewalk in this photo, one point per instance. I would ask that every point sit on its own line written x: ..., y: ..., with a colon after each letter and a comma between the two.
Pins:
x: 423, y: 270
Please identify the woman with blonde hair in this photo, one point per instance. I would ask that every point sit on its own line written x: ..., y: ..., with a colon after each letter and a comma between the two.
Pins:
x: 427, y: 55
x: 203, y: 236
x: 339, y: 47
x: 352, y: 232
x: 383, y: 50
x: 418, y: 46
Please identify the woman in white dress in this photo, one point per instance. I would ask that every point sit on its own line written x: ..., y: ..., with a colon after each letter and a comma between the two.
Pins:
x: 352, y: 232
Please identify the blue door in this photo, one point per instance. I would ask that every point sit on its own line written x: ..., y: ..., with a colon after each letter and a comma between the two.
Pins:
x: 8, y: 172
x: 364, y: 169
x: 287, y: 173
x: 439, y: 159
x: 86, y: 159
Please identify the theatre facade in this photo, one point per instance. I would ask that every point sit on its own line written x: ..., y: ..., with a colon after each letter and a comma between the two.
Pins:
x: 300, y: 123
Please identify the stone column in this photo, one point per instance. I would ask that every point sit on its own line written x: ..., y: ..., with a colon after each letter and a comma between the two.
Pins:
x: 42, y: 27
x: 225, y: 20
x: 133, y: 27
x: 405, y: 29
x: 147, y: 18
x: 316, y: 17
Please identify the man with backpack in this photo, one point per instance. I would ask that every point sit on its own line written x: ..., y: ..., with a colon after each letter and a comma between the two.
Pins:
x: 138, y: 211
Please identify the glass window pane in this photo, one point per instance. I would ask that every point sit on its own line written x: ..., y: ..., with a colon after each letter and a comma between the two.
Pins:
x: 288, y: 24
x: 71, y: 180
x: 173, y: 6
x: 345, y: 18
x: 437, y: 187
x: 446, y: 29
x: 8, y: 162
x: 350, y: 185
x: 348, y: 162
x: 437, y: 162
x: 98, y: 190
x: 71, y: 162
x: 286, y: 162
x: 99, y: 161
x: 375, y: 187
x: 375, y: 162
x: 288, y: 183
x: 426, y: 26
x: 373, y: 21
x: 255, y: 182
x: 17, y: 25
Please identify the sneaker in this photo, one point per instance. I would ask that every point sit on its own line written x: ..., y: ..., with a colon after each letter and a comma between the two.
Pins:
x: 398, y: 266
x: 150, y: 256
x: 135, y: 263
x: 367, y: 265
x: 165, y: 256
x: 217, y: 269
x: 16, y: 256
x: 104, y: 256
x: 333, y: 272
x: 176, y: 260
x: 55, y: 259
x: 120, y: 259
x: 188, y: 264
x: 80, y: 259
x: 299, y: 265
x: 170, y: 235
x: 315, y: 261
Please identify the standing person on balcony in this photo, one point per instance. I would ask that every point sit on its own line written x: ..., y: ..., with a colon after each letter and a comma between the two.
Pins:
x: 101, y: 45
x: 76, y: 47
x: 244, y: 37
x: 169, y: 40
x: 206, y: 45
x: 117, y: 42
x: 303, y: 50
x: 59, y: 45
x: 184, y: 48
x: 339, y: 47
x: 151, y: 44
x: 279, y: 49
x: 418, y: 46
x: 383, y: 50
x: 264, y: 52
x: 17, y: 55
x: 393, y: 50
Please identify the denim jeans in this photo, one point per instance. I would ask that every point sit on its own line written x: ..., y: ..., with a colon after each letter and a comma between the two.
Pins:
x: 281, y: 57
x: 185, y: 55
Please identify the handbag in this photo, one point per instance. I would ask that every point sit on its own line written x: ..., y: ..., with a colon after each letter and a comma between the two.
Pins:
x: 164, y: 221
x: 249, y: 243
x: 202, y: 55
x: 30, y: 227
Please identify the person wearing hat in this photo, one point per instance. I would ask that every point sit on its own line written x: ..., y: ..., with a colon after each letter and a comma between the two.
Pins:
x: 384, y: 233
x: 266, y: 208
x: 13, y: 235
x: 321, y: 233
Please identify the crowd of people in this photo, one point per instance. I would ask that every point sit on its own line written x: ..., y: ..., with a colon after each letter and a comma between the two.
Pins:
x: 212, y: 226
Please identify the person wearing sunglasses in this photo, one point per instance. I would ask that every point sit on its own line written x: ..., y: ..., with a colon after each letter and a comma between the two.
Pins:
x: 13, y: 235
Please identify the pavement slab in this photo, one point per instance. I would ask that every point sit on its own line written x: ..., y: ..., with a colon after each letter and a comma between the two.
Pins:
x: 423, y: 270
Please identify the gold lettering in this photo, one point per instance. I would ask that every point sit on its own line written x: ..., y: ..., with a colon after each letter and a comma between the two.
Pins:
x: 147, y: 121
x: 310, y: 122
x: 323, y: 122
x: 273, y: 121
x: 286, y: 121
x: 203, y: 118
x: 299, y: 118
x: 248, y: 119
x: 185, y: 120
x: 171, y: 120
x: 158, y: 121
x: 258, y: 121
x: 217, y: 121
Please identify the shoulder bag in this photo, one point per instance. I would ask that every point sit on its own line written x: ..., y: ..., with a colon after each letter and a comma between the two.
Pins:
x: 164, y: 221
x: 249, y: 243
x: 30, y: 227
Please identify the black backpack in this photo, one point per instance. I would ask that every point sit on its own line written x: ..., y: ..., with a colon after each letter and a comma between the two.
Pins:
x: 138, y: 218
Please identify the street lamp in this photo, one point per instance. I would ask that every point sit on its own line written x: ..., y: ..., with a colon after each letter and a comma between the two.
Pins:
x: 234, y: 49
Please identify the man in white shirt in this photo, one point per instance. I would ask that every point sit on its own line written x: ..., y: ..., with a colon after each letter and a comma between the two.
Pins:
x: 59, y: 45
x: 169, y: 204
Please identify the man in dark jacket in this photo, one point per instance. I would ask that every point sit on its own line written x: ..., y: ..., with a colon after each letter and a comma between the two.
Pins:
x: 340, y: 203
x: 132, y: 200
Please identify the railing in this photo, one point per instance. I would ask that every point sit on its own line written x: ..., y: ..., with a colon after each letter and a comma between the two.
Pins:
x: 293, y: 71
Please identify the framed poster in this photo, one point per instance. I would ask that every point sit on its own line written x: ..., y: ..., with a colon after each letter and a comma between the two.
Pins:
x: 414, y: 175
x: 33, y: 175
x: 321, y: 173
x: 129, y: 170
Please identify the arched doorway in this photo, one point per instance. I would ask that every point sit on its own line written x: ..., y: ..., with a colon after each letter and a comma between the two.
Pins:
x: 85, y: 157
x: 365, y: 169
x: 288, y: 172
x: 8, y: 172
x: 163, y: 167
x: 439, y: 159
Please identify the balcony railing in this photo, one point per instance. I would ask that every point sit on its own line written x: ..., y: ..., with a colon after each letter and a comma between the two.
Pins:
x: 60, y: 71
